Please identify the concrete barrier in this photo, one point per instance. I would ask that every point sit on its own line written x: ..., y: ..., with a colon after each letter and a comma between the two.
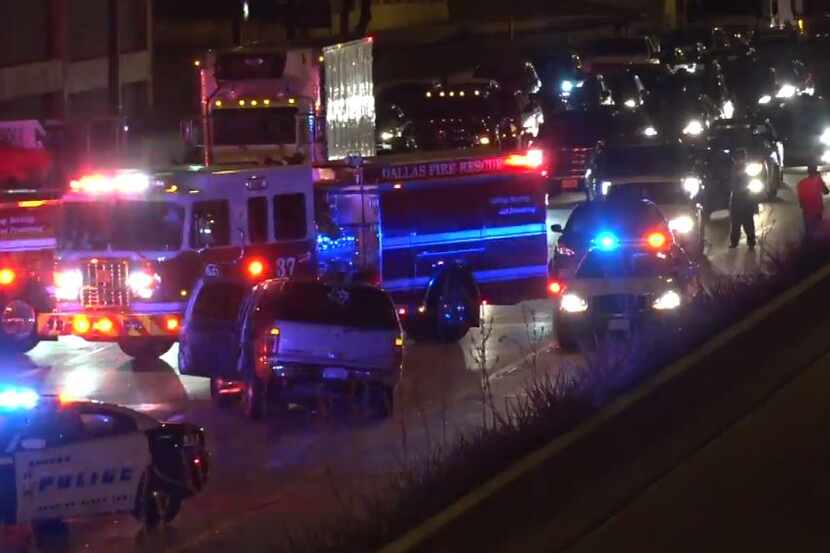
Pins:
x: 555, y: 495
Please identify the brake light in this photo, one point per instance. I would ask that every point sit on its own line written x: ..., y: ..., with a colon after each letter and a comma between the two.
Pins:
x: 656, y: 240
x: 256, y: 268
x: 532, y: 159
x: 556, y: 287
x: 81, y: 324
x: 7, y: 276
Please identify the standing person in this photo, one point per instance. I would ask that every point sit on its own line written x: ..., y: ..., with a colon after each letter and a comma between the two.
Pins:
x: 810, y: 191
x: 742, y: 209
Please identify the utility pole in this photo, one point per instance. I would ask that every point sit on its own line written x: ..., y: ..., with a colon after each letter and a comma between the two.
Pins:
x: 114, y: 58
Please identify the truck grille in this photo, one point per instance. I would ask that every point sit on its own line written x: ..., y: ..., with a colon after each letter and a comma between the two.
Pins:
x: 573, y: 162
x: 105, y: 284
x: 619, y: 304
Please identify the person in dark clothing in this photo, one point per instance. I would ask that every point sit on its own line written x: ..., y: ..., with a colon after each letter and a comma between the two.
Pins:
x: 742, y: 210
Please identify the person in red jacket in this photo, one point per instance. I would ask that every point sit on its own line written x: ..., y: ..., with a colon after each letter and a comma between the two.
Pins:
x: 811, y: 190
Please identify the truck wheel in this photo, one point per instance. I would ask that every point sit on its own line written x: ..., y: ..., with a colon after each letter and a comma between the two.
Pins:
x: 144, y: 349
x: 18, y: 326
x: 255, y: 398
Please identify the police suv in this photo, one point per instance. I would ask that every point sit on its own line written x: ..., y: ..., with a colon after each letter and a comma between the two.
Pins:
x: 68, y: 459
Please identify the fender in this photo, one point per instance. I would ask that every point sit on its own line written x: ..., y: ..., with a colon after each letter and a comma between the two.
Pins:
x: 458, y: 271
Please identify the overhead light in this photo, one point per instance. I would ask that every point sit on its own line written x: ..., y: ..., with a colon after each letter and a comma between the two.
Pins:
x: 765, y: 99
x: 692, y: 186
x: 650, y: 132
x: 630, y: 103
x: 786, y: 91
x: 693, y: 128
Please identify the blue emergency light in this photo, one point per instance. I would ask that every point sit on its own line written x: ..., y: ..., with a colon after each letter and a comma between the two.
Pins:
x: 607, y: 241
x: 15, y: 399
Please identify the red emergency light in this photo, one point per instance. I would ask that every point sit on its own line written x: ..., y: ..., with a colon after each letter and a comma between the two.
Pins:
x: 555, y: 287
x: 121, y: 182
x: 532, y: 159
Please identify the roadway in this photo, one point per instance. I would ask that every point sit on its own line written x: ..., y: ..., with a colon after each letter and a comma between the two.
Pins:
x: 302, y: 466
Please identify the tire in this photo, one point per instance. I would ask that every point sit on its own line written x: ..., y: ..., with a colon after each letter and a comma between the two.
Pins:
x: 160, y: 507
x: 255, y: 398
x: 223, y: 401
x: 144, y: 349
x: 567, y: 341
x: 18, y: 326
x: 453, y: 311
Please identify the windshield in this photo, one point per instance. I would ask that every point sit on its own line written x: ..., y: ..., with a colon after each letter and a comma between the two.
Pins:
x: 121, y: 226
x: 315, y: 303
x: 661, y: 193
x: 657, y: 160
x: 627, y: 219
x: 623, y: 264
x: 255, y: 127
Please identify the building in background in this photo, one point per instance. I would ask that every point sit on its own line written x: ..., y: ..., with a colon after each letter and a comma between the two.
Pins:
x: 57, y: 58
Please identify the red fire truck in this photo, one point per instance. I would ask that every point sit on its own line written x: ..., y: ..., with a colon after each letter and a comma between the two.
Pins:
x: 436, y: 234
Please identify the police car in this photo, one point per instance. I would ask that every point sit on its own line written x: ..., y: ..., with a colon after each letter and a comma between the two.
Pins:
x: 63, y: 459
x: 622, y: 288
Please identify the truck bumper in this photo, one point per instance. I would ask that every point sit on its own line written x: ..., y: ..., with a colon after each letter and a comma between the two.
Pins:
x: 107, y: 326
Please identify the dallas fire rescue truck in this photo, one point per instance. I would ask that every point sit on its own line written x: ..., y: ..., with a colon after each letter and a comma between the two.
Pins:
x: 439, y: 235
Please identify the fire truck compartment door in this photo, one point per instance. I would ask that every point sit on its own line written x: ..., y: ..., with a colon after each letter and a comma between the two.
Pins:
x: 88, y: 477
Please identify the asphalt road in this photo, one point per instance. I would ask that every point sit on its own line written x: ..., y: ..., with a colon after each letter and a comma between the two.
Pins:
x: 304, y: 465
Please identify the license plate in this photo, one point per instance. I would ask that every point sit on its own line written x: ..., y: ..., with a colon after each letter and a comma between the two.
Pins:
x: 570, y: 183
x: 619, y: 324
x: 335, y: 373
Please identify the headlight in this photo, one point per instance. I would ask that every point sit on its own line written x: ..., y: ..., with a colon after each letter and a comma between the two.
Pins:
x: 755, y: 186
x: 765, y: 99
x: 630, y: 103
x: 728, y: 109
x: 571, y: 303
x: 605, y: 187
x: 567, y: 86
x: 650, y: 132
x: 484, y: 140
x: 753, y: 168
x: 143, y: 284
x: 386, y: 136
x: 786, y: 91
x: 693, y: 128
x: 825, y: 137
x: 668, y: 300
x: 682, y: 224
x: 692, y: 186
x: 68, y: 284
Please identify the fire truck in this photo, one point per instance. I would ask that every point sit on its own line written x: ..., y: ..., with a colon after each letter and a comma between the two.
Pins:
x: 258, y: 106
x: 438, y: 235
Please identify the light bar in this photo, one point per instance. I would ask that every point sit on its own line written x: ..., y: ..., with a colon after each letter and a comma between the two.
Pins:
x: 125, y: 182
x: 533, y: 159
x: 12, y: 399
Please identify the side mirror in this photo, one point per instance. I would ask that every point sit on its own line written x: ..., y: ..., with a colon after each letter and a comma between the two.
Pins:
x: 33, y: 443
x: 557, y: 228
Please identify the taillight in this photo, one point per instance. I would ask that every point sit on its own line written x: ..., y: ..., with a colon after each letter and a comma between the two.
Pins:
x: 256, y: 268
x: 555, y: 287
x: 656, y: 240
x: 171, y: 323
x: 7, y: 277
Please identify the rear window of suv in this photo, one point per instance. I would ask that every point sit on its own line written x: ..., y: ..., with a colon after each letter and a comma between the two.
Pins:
x: 315, y: 303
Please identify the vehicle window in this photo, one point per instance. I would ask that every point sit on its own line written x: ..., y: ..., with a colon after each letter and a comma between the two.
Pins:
x: 626, y: 218
x: 258, y: 220
x: 219, y: 301
x: 315, y: 303
x: 660, y: 193
x: 102, y: 424
x: 624, y: 264
x: 289, y: 216
x: 122, y: 225
x: 58, y: 428
x: 211, y: 224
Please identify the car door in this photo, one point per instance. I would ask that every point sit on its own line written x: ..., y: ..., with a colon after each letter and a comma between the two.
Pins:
x: 72, y: 464
x: 209, y: 340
